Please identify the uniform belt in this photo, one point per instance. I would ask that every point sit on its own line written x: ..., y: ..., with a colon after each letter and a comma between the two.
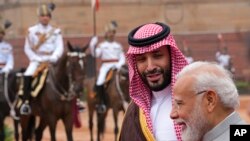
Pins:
x: 110, y: 61
x: 44, y: 53
x: 2, y: 64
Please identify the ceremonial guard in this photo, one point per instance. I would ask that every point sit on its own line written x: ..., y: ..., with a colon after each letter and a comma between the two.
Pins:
x: 43, y: 43
x: 6, y: 53
x: 112, y: 56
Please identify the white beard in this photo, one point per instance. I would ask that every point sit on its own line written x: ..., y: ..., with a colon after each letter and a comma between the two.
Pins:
x: 196, y: 126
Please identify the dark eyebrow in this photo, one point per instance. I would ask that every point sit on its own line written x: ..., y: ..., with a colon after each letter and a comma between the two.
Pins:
x: 155, y: 51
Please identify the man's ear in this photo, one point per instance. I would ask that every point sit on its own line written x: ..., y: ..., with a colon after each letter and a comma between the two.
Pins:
x: 211, y: 99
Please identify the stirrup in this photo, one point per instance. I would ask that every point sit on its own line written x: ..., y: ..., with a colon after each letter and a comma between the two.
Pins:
x: 25, y: 109
x: 101, y: 108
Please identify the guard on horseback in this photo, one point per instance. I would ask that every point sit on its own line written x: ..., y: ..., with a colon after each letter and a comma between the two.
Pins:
x: 222, y: 56
x: 43, y: 43
x: 6, y: 54
x: 112, y: 56
x: 6, y: 67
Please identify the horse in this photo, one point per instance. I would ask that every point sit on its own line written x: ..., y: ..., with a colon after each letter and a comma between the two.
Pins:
x: 57, y: 98
x: 117, y: 100
x: 9, y: 83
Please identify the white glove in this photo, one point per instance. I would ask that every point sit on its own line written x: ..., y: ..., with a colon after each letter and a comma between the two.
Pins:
x: 93, y: 41
x: 53, y: 59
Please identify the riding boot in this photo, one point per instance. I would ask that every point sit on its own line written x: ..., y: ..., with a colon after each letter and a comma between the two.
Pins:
x: 100, y: 92
x: 25, y: 108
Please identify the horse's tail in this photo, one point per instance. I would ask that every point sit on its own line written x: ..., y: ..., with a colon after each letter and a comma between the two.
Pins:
x: 101, y: 122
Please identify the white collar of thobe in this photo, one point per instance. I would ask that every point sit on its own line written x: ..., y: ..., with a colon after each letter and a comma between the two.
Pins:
x: 158, y: 95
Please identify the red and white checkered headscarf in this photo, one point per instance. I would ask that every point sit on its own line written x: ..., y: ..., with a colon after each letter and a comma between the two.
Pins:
x: 139, y: 91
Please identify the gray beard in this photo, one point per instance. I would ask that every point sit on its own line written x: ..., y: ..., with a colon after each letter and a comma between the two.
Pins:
x: 198, y: 125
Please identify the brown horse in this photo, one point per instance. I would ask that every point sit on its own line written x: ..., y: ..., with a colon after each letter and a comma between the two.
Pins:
x: 8, y: 98
x: 117, y: 99
x: 57, y: 98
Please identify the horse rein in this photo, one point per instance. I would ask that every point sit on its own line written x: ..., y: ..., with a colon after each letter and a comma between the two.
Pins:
x: 62, y: 93
x: 120, y: 92
x: 65, y: 94
x: 11, y: 105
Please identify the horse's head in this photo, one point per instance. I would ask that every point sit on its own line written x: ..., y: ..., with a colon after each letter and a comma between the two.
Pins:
x: 76, y: 66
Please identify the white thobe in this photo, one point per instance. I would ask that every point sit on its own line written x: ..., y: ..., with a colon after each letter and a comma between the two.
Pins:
x: 163, y: 125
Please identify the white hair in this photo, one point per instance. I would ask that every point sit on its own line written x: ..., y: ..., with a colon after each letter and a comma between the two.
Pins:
x: 211, y: 76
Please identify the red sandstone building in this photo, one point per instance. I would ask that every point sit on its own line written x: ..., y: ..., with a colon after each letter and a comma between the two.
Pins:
x: 195, y: 21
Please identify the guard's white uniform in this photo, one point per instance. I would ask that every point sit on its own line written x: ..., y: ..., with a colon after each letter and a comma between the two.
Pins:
x: 6, y: 57
x: 223, y: 60
x: 109, y: 52
x: 51, y: 50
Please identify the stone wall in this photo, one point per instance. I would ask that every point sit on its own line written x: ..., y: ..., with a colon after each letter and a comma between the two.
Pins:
x: 203, y: 47
x: 75, y: 17
x: 198, y: 22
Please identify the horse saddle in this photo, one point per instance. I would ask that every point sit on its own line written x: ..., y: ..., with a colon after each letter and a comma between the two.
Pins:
x: 107, y: 79
x: 123, y: 73
x: 39, y: 79
x: 109, y: 76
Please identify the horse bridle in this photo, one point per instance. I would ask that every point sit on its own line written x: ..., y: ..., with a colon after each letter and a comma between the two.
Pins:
x: 80, y: 56
x: 69, y: 94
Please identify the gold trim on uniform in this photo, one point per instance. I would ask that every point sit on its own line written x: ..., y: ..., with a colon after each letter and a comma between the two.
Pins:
x: 148, y: 135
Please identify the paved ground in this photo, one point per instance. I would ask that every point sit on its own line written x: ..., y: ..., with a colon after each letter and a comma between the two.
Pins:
x: 82, y: 134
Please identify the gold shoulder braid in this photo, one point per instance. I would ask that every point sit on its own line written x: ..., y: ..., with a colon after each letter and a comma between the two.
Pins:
x: 42, y: 39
